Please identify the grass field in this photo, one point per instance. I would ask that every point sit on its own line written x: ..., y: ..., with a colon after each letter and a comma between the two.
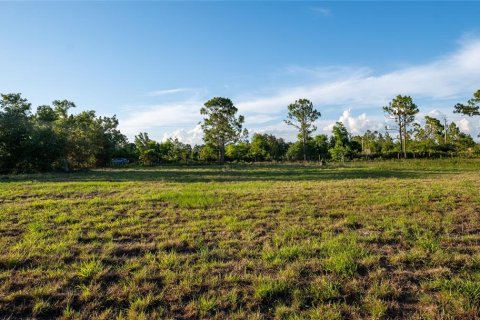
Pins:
x: 360, y: 241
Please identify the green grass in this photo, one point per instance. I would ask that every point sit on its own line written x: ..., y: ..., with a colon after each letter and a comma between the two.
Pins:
x: 363, y: 240
x: 88, y: 269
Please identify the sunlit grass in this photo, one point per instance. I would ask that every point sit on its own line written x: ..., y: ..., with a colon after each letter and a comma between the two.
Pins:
x: 359, y: 240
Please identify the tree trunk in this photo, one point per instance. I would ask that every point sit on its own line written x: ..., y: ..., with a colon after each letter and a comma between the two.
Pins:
x: 222, y: 155
x: 221, y: 152
x: 65, y: 165
x: 304, y: 147
x: 304, y: 152
x: 400, y: 134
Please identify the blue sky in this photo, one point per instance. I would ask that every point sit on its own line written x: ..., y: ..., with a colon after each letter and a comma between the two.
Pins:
x: 154, y: 64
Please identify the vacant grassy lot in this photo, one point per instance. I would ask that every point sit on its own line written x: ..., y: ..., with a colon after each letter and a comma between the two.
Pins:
x: 378, y: 240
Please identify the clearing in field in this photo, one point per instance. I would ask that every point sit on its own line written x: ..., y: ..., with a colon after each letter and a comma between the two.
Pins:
x: 377, y: 240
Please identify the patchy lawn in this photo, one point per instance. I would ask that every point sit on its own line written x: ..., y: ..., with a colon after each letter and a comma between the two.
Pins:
x: 365, y: 240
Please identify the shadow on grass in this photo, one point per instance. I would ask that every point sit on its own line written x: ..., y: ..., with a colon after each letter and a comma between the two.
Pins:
x: 229, y: 173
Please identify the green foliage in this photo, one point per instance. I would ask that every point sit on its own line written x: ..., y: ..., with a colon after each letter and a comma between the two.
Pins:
x: 53, y: 139
x: 402, y: 110
x: 341, y: 142
x: 90, y: 140
x: 267, y: 147
x: 239, y: 151
x: 302, y: 115
x: 316, y: 149
x: 429, y: 138
x: 147, y: 149
x: 207, y: 153
x: 321, y: 145
x: 472, y: 108
x: 15, y: 132
x: 151, y: 152
x: 339, y: 152
x: 220, y: 125
x: 296, y: 152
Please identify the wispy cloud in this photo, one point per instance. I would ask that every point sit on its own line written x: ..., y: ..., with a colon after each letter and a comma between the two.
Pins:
x: 165, y: 92
x: 351, y: 95
x: 162, y: 117
x: 259, y: 118
x: 322, y: 11
x: 445, y: 78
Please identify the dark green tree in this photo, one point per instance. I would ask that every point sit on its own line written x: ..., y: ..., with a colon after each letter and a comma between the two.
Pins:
x: 296, y: 151
x: 267, y: 147
x: 320, y: 144
x: 52, y: 138
x: 239, y: 151
x: 388, y: 145
x: 15, y: 132
x: 207, y: 153
x: 302, y: 115
x: 402, y: 110
x: 148, y: 150
x: 434, y: 130
x: 460, y: 142
x: 370, y: 142
x: 47, y: 145
x: 221, y: 125
x: 259, y: 147
x: 471, y: 108
x: 173, y: 150
x: 341, y: 142
x: 64, y: 125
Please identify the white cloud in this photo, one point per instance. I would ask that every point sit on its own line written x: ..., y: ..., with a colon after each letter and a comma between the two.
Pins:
x: 279, y: 129
x: 322, y: 11
x: 447, y: 77
x: 435, y: 113
x: 359, y: 124
x: 258, y: 118
x: 192, y: 136
x: 165, y: 116
x: 168, y: 91
x: 433, y: 86
x: 464, y: 125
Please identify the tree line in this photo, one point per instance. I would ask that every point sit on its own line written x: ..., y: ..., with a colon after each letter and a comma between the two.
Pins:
x: 53, y: 138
